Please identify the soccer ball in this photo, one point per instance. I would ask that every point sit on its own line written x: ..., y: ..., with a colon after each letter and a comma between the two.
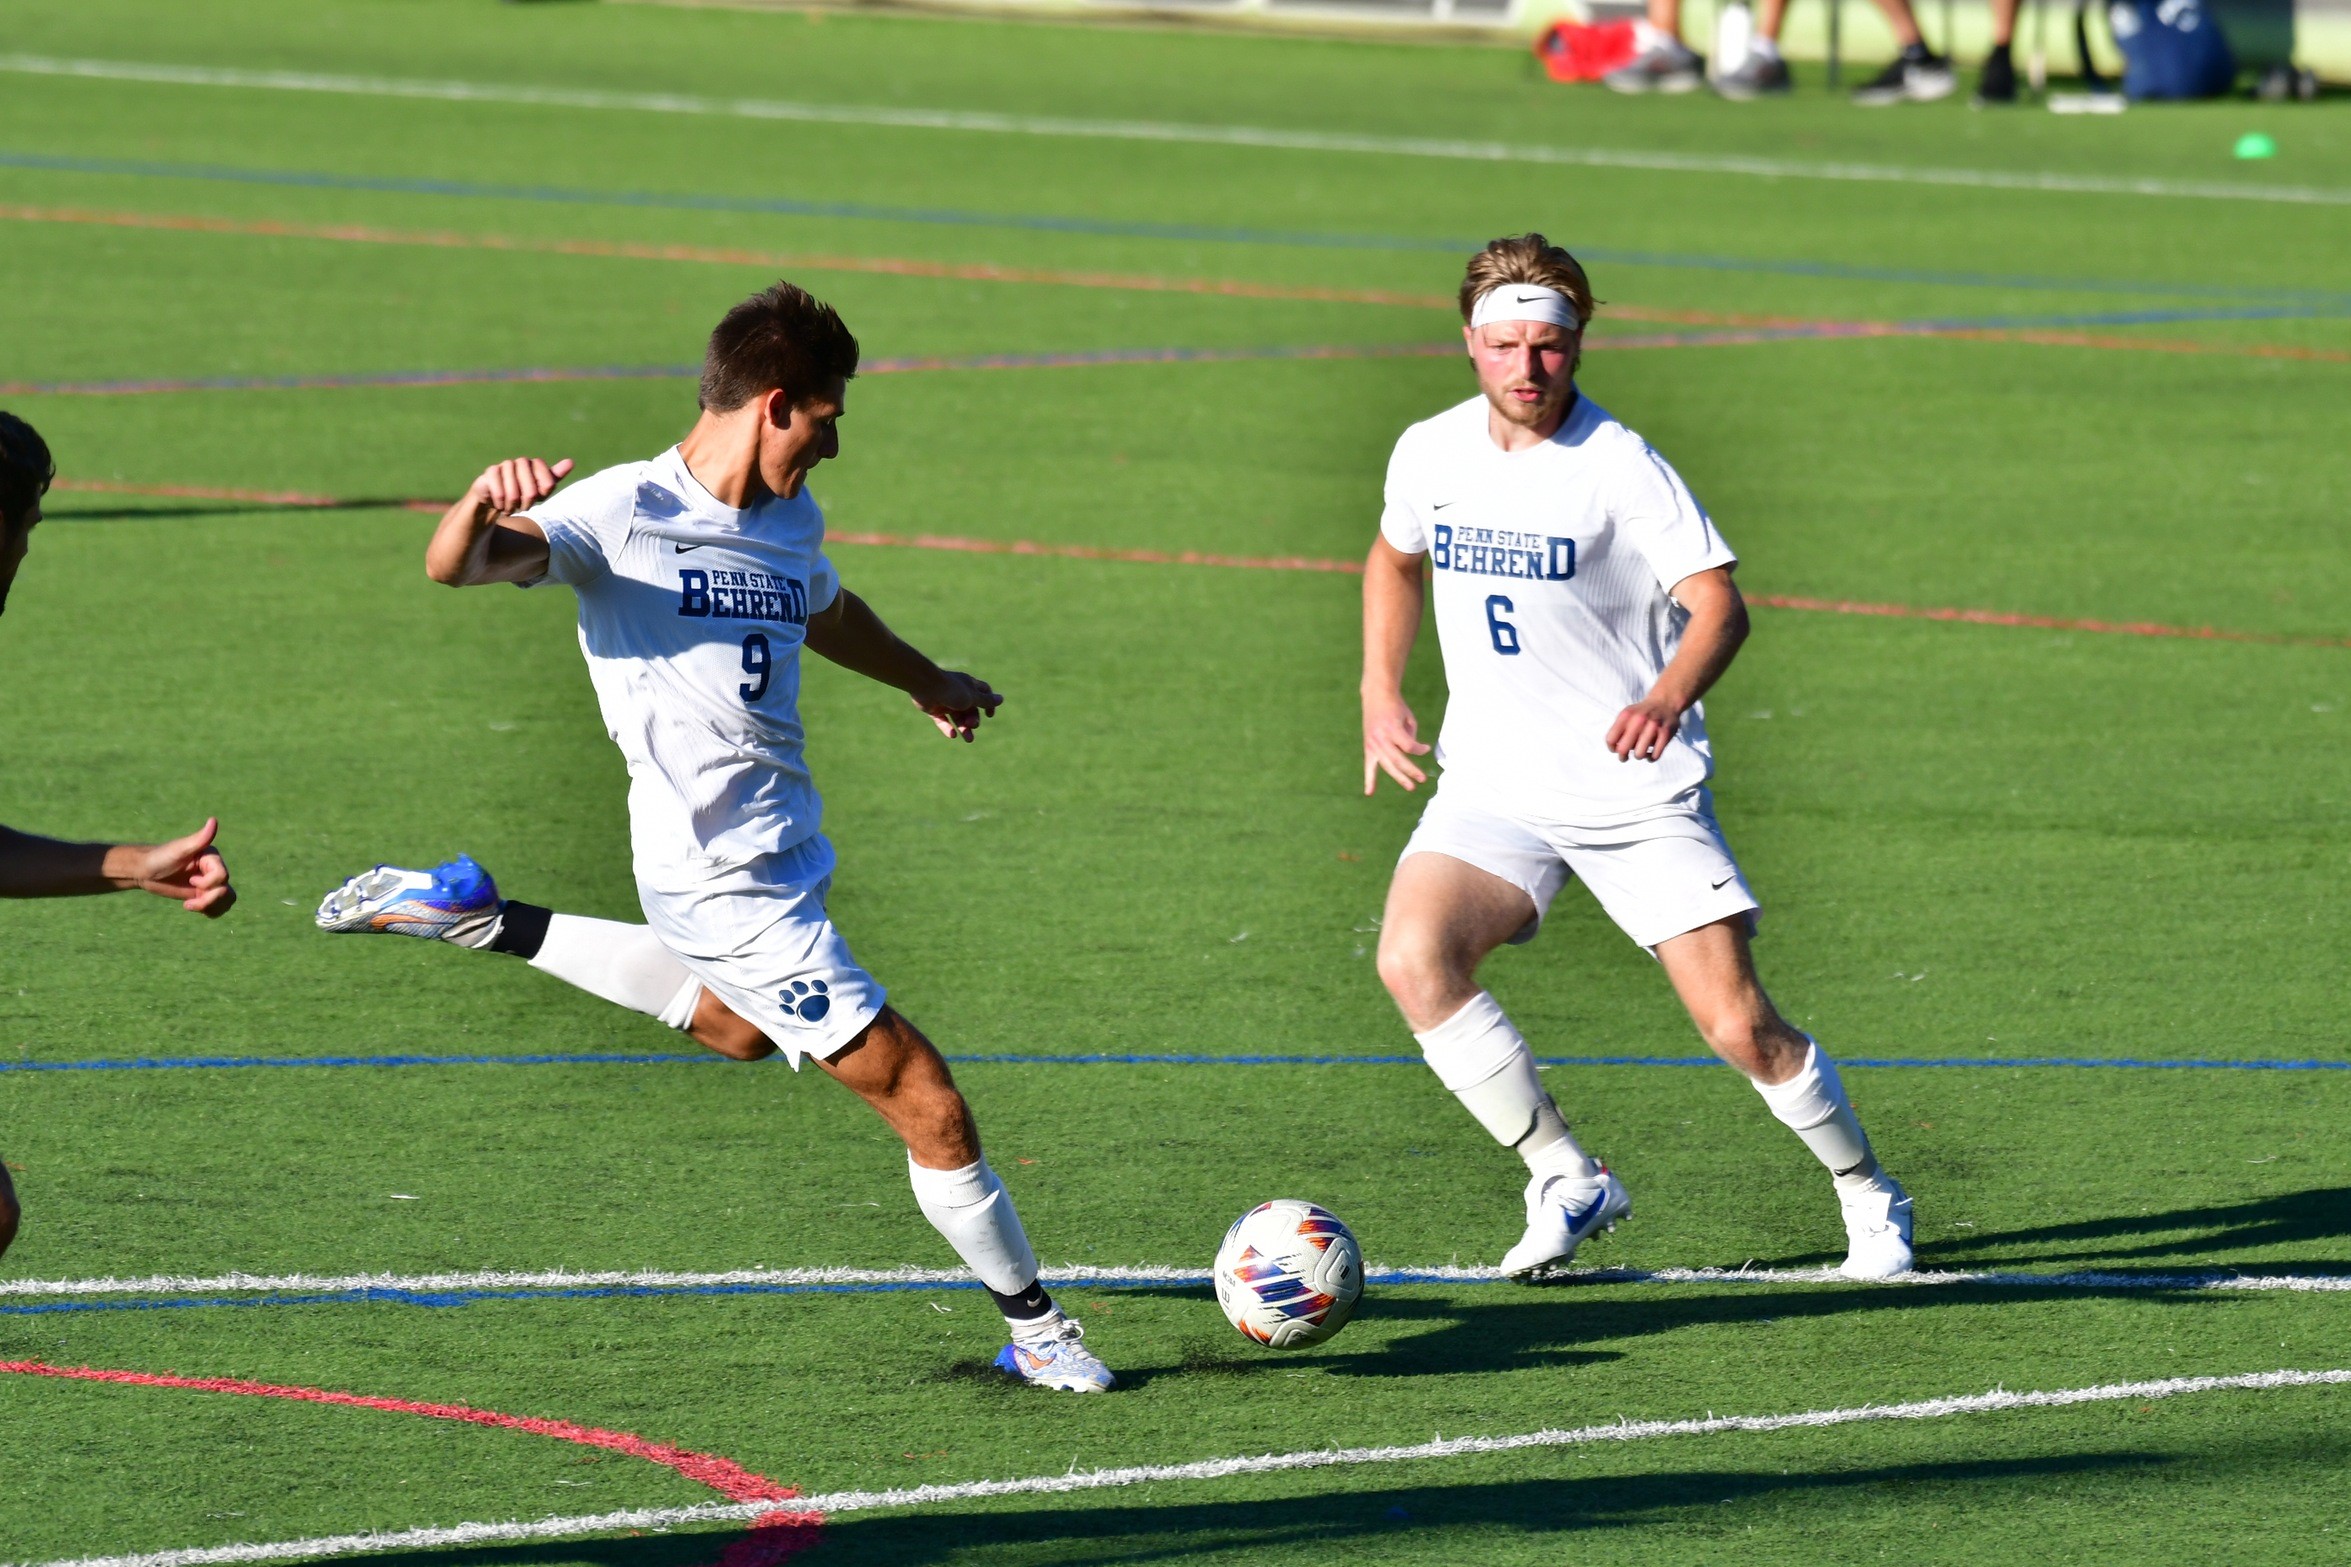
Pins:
x: 1289, y: 1274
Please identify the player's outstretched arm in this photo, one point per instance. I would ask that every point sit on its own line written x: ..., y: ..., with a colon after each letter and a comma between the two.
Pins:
x: 1392, y: 596
x: 849, y: 633
x: 189, y: 869
x: 480, y: 538
x: 1717, y: 625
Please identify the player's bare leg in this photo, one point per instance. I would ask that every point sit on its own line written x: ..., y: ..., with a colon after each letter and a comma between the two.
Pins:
x: 1444, y: 917
x: 1713, y: 971
x: 893, y: 1068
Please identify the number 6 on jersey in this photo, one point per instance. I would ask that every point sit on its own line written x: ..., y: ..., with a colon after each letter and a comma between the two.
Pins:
x: 1505, y: 634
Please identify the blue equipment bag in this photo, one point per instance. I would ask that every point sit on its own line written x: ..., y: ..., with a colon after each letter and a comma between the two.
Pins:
x: 2170, y: 49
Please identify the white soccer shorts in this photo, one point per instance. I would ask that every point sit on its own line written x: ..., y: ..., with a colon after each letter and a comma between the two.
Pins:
x: 1657, y: 878
x: 759, y: 939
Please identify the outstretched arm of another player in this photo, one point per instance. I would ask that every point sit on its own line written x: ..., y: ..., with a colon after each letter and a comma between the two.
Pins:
x: 1717, y: 625
x: 189, y: 869
x: 480, y: 538
x: 849, y: 633
x: 1393, y: 593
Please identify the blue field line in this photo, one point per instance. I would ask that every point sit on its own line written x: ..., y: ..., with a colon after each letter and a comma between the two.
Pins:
x: 1108, y: 357
x: 1132, y: 1058
x: 176, y: 1063
x: 785, y: 206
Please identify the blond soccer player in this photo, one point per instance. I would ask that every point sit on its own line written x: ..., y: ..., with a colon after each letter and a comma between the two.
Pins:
x: 1584, y: 605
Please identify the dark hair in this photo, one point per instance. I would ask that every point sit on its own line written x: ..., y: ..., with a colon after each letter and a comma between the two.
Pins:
x: 25, y: 469
x: 782, y: 337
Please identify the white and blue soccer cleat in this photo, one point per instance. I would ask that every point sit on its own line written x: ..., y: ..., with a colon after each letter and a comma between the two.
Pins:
x: 1056, y: 1359
x: 1563, y: 1212
x: 456, y: 901
x: 1877, y: 1231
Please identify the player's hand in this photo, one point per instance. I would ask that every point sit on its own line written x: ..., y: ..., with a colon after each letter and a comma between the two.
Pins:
x: 189, y: 869
x: 1391, y: 739
x: 957, y: 702
x: 1642, y: 731
x: 517, y: 484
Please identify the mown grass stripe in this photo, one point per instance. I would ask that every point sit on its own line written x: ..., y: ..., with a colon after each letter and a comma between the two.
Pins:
x: 984, y: 122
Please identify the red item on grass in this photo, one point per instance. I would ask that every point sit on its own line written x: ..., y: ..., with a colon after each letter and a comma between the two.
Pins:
x: 1574, y: 52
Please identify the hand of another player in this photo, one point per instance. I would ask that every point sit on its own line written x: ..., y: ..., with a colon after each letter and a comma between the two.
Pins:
x: 957, y: 704
x: 189, y: 869
x: 1642, y: 731
x: 518, y: 483
x: 1391, y: 739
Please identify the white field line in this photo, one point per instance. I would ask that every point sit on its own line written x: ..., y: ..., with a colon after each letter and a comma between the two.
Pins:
x: 985, y: 122
x: 837, y: 1502
x: 1154, y: 1273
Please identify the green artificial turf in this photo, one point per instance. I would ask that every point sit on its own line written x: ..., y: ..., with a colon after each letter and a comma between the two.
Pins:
x: 1994, y: 842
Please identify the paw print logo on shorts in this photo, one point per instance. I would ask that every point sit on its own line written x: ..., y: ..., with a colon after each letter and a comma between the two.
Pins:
x: 807, y: 999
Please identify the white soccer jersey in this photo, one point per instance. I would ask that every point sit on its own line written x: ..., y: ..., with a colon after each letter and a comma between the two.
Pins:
x: 1552, y: 569
x: 692, y: 614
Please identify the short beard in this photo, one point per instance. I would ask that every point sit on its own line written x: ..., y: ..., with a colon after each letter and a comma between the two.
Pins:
x: 1528, y: 418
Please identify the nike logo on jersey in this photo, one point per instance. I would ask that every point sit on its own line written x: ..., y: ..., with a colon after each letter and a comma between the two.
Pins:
x: 1726, y: 881
x: 1439, y: 505
x: 682, y: 548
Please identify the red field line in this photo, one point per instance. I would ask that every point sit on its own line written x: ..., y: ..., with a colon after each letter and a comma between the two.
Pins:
x: 201, y: 492
x: 906, y: 266
x: 943, y: 541
x: 1995, y: 617
x: 1145, y: 557
x: 773, y: 1536
x: 894, y: 266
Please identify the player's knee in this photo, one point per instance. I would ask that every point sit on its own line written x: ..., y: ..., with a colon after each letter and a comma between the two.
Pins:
x: 1414, y: 970
x: 1737, y: 1035
x: 937, y: 1122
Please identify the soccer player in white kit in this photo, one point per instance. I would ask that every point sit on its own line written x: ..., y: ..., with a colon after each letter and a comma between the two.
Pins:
x: 701, y: 575
x: 1584, y: 604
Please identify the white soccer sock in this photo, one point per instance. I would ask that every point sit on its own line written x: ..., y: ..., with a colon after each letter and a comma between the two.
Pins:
x: 1763, y: 48
x: 1482, y: 1058
x: 971, y: 1209
x: 1647, y: 37
x: 624, y: 964
x: 1812, y: 1104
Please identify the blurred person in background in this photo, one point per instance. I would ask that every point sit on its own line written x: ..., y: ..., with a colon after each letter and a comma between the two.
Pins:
x: 1665, y: 64
x: 188, y: 869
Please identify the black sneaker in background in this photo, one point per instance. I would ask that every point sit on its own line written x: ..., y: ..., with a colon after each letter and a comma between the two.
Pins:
x: 1756, y: 76
x: 1916, y: 77
x: 1998, y: 83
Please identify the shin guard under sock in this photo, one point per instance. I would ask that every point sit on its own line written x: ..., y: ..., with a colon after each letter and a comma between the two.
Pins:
x: 1812, y: 1104
x: 1482, y: 1058
x: 973, y: 1213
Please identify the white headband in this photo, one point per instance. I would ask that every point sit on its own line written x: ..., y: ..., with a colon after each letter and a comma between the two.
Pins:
x: 1522, y: 302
